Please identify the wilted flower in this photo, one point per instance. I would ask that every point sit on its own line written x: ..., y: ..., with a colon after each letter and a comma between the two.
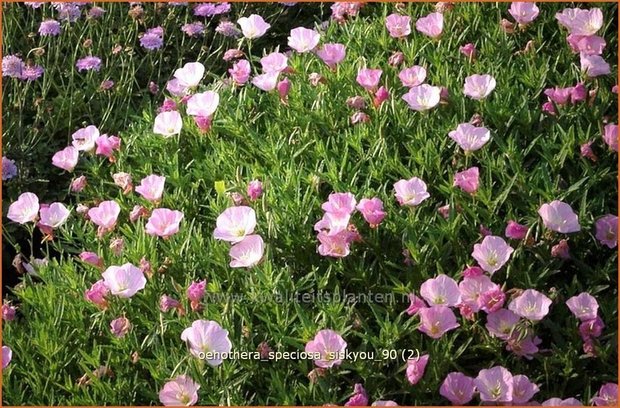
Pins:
x: 561, y: 250
x: 120, y: 326
x: 254, y: 189
x: 607, y: 395
x: 240, y: 72
x: 123, y: 180
x: 514, y: 230
x: 468, y: 50
x: 359, y: 397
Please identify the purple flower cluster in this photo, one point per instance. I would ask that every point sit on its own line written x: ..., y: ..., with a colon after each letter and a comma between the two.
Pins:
x: 211, y: 9
x: 14, y: 67
x: 153, y: 39
x: 89, y: 63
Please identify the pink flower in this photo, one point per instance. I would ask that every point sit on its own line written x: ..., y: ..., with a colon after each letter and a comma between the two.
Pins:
x: 559, y: 402
x: 8, y: 312
x: 332, y: 54
x: 522, y: 346
x: 492, y: 300
x: 196, y: 291
x: 531, y: 305
x: 584, y: 306
x: 607, y: 230
x: 591, y: 328
x: 369, y: 78
x: 431, y: 25
x: 398, y: 26
x: 469, y: 50
x: 167, y: 303
x: 25, y: 209
x: 105, y: 215
x: 180, y: 391
x: 494, y: 384
x: 423, y: 97
x: 96, y: 294
x: 472, y: 272
x: 381, y: 96
x: 283, y: 88
x: 587, y: 151
x: 441, y: 291
x: 523, y: 12
x: 581, y: 22
x: 303, y: 39
x: 91, y: 258
x: 560, y: 96
x: 55, y: 215
x: 586, y: 44
x: 359, y: 117
x: 523, y: 389
x: 235, y: 223
x: 413, y: 76
x: 359, y: 397
x: 561, y: 250
x: 247, y: 253
x: 190, y: 75
x: 329, y: 345
x: 7, y: 355
x: 266, y: 82
x: 435, y: 321
x: 492, y: 253
x: 610, y: 136
x: 240, y: 72
x: 514, y: 230
x: 479, y: 86
x: 607, y: 395
x: 457, y: 388
x: 124, y: 281
x: 152, y: 187
x: 168, y: 124
x: 78, y: 184
x: 471, y: 288
x: 416, y: 305
x: 559, y: 217
x: 137, y: 212
x: 578, y: 93
x: 84, y: 139
x: 164, y: 222
x: 340, y: 203
x: 333, y: 222
x: 253, y: 26
x: 176, y: 89
x: 255, y: 189
x: 203, y: 104
x: 208, y: 341
x: 372, y: 211
x: 502, y: 323
x: 274, y: 62
x: 416, y: 368
x: 66, y: 158
x: 549, y: 109
x: 335, y: 245
x: 120, y: 327
x: 107, y: 144
x: 594, y: 65
x: 411, y: 192
x: 467, y: 180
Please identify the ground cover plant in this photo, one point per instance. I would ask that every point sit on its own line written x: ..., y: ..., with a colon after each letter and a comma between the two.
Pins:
x: 347, y: 203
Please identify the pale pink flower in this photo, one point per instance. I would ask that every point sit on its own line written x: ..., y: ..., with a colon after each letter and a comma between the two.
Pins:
x: 479, y: 86
x: 203, y: 104
x: 247, y: 253
x: 561, y: 250
x: 106, y: 145
x: 182, y: 391
x: 559, y: 217
x: 190, y: 75
x: 470, y: 138
x: 168, y: 124
x: 584, y: 306
x: 164, y: 222
x: 423, y: 97
x: 610, y: 136
x: 559, y: 402
x: 416, y: 368
x: 435, y: 321
x: 152, y: 187
x: 176, y: 89
x: 25, y: 209
x: 208, y: 341
x: 84, y: 139
x: 581, y: 22
x: 96, y: 294
x: 66, y: 158
x: 124, y: 281
x: 274, y: 62
x: 531, y: 305
x: 492, y: 300
x: 340, y: 203
x: 91, y: 258
x: 123, y: 180
x: 494, y: 384
x: 431, y: 25
x: 467, y: 180
x: 586, y: 44
x: 398, y: 26
x: 523, y: 12
x: 253, y: 26
x: 369, y: 78
x: 384, y: 403
x: 7, y: 356
x: 411, y: 192
x: 413, y: 76
x: 372, y: 210
x: 166, y: 303
x: 78, y: 184
x: 441, y: 291
x: 492, y: 253
x: 457, y: 388
x: 607, y: 395
x: 332, y: 54
x: 105, y: 215
x: 607, y: 230
x: 330, y: 346
x: 240, y: 72
x: 303, y: 39
x: 359, y: 397
x: 235, y: 223
x: 333, y: 222
x: 55, y: 215
x: 334, y: 244
x: 266, y: 82
x: 523, y: 389
x: 416, y: 305
x: 502, y: 323
x: 472, y: 287
x: 594, y: 65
